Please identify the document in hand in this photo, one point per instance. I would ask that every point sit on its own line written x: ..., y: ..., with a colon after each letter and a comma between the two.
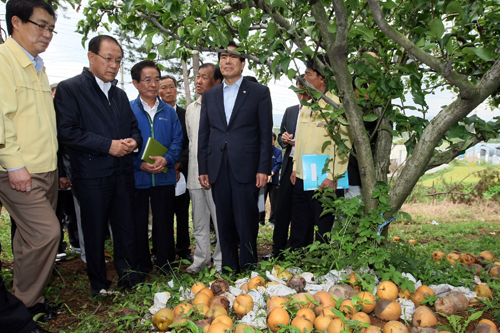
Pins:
x: 153, y: 148
x: 312, y: 171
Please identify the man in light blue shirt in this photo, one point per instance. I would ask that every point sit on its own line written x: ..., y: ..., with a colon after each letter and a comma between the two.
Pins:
x: 234, y: 157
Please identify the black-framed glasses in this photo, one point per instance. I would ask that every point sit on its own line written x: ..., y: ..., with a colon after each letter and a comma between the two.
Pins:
x: 43, y: 27
x: 110, y: 60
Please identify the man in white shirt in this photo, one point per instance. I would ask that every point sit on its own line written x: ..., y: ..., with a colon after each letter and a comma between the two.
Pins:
x: 209, y: 75
x: 157, y: 120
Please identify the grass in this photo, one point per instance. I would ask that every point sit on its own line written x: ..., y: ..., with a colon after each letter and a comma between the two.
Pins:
x: 456, y: 172
x: 460, y: 227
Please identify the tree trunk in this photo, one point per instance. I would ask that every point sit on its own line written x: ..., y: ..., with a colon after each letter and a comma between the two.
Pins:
x: 383, y: 146
x: 196, y: 68
x: 187, y: 91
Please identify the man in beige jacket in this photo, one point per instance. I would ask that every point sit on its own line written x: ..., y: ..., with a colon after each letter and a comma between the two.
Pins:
x: 310, y: 136
x: 209, y: 75
x: 28, y: 159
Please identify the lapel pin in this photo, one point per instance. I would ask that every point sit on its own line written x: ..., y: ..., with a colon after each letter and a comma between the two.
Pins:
x: 244, y: 91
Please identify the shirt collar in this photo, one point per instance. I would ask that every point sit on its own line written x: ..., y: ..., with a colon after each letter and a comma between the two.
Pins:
x: 237, y: 83
x: 147, y: 107
x: 37, y: 61
x: 105, y: 86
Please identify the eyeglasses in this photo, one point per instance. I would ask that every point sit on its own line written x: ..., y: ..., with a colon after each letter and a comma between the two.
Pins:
x: 43, y: 27
x: 149, y: 81
x: 110, y: 60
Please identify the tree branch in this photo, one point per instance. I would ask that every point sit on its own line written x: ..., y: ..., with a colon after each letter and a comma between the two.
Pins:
x: 450, y: 154
x: 466, y: 88
x: 196, y: 48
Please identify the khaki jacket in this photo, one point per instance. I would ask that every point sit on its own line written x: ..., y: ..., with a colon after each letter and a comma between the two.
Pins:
x: 28, y: 113
x: 310, y: 136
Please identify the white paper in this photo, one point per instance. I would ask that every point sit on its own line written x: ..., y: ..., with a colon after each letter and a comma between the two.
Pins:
x: 180, y: 187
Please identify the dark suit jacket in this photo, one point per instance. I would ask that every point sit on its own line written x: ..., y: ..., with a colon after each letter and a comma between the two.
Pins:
x: 184, y: 158
x: 87, y: 122
x: 248, y: 134
x: 288, y: 124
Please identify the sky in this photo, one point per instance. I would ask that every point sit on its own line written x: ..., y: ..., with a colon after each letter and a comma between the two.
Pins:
x: 66, y: 57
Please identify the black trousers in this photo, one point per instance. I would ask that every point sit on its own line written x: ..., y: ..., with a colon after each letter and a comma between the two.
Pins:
x: 272, y: 192
x: 14, y: 316
x: 237, y: 218
x: 306, y: 215
x: 108, y: 199
x: 181, y: 209
x: 162, y: 207
x: 66, y: 212
x: 283, y: 213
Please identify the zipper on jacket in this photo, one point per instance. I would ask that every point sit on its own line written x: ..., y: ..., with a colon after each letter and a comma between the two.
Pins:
x: 151, y: 122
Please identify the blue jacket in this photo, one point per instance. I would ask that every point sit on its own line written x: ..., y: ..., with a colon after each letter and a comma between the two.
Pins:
x: 167, y: 130
x: 276, y: 165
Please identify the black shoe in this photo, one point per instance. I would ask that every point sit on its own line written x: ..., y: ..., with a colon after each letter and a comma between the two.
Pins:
x: 268, y: 256
x: 47, y: 314
x: 38, y: 329
x: 262, y: 222
x: 214, y: 241
x: 56, y: 308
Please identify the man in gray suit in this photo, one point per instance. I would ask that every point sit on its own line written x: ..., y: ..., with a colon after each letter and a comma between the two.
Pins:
x: 283, y: 213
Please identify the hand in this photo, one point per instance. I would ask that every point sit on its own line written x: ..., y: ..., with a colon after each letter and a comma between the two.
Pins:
x: 159, y: 163
x: 117, y: 149
x: 204, y: 181
x: 269, y: 178
x: 130, y: 145
x: 177, y: 166
x: 285, y: 137
x: 20, y: 180
x: 64, y: 183
x: 261, y: 180
x: 293, y: 177
x: 177, y: 175
x: 328, y: 183
x: 145, y: 166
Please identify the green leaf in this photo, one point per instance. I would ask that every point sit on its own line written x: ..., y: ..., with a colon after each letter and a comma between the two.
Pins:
x: 332, y: 28
x: 243, y: 31
x: 280, y: 3
x: 325, y: 144
x: 284, y: 64
x: 454, y: 7
x: 437, y: 27
x: 271, y: 30
x: 405, y: 215
x: 162, y: 50
x: 366, y: 33
x: 389, y: 4
x: 148, y: 43
x: 291, y: 73
x: 370, y: 117
x: 481, y: 53
x: 128, y: 5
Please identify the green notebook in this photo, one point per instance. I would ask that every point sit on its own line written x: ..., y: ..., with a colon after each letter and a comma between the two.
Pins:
x: 153, y: 148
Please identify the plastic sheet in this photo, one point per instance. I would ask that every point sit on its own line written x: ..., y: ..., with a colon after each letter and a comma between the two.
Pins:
x: 257, y: 319
x: 160, y: 302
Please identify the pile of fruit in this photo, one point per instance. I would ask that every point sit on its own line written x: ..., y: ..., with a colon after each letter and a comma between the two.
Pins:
x: 340, y: 307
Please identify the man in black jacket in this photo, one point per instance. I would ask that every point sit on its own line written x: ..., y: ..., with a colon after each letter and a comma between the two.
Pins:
x: 97, y: 125
x: 283, y: 213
